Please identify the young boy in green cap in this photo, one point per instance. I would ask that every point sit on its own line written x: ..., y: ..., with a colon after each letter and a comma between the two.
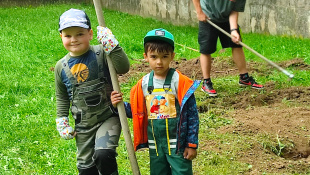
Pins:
x: 83, y: 84
x: 164, y: 111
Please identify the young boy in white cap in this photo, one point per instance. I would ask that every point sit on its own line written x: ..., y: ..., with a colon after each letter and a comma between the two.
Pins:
x: 171, y: 130
x: 83, y: 84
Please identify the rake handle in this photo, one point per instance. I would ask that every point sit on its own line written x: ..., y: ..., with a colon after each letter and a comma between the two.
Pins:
x: 120, y: 106
x: 253, y: 51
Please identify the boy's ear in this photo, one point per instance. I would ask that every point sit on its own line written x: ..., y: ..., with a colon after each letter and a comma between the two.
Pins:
x: 145, y: 57
x: 60, y: 34
x: 91, y: 34
x: 172, y: 55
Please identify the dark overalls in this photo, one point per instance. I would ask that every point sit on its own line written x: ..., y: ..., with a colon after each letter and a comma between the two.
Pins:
x: 97, y: 126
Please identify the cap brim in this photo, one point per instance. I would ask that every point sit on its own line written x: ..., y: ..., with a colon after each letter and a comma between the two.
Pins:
x: 152, y: 38
x: 73, y: 25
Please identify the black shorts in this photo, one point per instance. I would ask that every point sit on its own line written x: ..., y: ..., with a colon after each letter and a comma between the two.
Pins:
x: 208, y: 35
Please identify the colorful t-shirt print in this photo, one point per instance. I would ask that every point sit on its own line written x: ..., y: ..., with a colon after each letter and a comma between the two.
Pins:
x: 161, y: 106
x: 80, y: 72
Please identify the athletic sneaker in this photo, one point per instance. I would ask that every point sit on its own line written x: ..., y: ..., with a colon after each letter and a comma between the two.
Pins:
x: 208, y: 88
x: 250, y: 82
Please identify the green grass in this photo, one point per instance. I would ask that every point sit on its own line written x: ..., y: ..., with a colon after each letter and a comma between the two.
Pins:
x: 30, y: 45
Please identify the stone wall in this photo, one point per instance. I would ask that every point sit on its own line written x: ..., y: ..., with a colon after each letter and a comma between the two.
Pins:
x: 179, y: 12
x: 276, y: 17
x: 282, y: 17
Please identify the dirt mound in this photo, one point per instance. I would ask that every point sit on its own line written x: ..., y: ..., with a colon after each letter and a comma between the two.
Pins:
x: 190, y: 68
x: 220, y: 67
x: 272, y: 96
x: 280, y: 137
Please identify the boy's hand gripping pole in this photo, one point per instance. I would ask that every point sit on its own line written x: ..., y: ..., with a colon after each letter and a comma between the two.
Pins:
x: 120, y: 106
x: 253, y: 51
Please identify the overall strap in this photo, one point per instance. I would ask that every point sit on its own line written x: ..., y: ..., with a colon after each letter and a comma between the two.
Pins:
x: 167, y: 84
x: 99, y: 56
x: 66, y: 68
x: 103, y: 68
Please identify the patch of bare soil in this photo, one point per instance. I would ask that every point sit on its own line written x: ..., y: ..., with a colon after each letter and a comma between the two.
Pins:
x: 281, y: 114
x: 220, y: 67
x: 283, y: 124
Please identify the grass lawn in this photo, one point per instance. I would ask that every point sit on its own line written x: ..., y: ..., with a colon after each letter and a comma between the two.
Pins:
x: 30, y: 46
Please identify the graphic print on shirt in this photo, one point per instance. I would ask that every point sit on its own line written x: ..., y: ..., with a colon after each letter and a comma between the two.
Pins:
x: 161, y: 106
x: 80, y: 71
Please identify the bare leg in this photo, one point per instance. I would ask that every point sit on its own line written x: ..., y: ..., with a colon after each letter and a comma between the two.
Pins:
x: 205, y: 63
x: 239, y: 59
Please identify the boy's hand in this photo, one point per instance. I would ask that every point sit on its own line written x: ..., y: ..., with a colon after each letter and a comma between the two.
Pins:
x: 190, y: 153
x: 116, y: 97
x: 64, y: 129
x: 106, y: 38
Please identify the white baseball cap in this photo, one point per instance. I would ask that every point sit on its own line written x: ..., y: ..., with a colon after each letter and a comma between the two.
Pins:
x: 74, y: 18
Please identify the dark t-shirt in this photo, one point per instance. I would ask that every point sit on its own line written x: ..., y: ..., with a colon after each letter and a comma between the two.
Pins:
x: 219, y: 10
x: 83, y: 68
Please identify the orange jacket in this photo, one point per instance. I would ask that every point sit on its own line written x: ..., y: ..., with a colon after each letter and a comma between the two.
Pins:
x: 139, y: 113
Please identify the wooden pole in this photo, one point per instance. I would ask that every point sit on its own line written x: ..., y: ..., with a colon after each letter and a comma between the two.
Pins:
x: 120, y: 106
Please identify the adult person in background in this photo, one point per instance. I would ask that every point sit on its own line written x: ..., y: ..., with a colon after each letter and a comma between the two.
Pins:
x: 224, y: 13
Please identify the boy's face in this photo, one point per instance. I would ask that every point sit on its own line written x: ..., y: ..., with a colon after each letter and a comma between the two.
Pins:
x: 162, y: 101
x: 155, y: 102
x: 159, y: 62
x: 76, y: 40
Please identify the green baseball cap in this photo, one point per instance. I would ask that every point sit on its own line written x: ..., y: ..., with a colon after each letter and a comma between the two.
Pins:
x: 159, y: 34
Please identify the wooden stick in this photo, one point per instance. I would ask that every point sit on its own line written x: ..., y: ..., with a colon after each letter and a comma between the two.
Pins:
x: 187, y: 47
x: 120, y: 106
